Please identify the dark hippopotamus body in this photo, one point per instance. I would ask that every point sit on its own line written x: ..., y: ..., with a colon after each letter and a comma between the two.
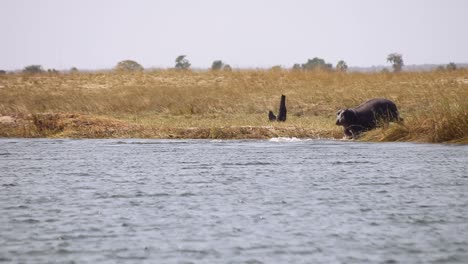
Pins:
x: 367, y: 116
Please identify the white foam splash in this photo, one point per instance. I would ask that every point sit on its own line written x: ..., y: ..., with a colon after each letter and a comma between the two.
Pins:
x: 285, y: 139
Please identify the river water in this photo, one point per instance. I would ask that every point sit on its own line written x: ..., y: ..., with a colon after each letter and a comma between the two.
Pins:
x: 202, y: 201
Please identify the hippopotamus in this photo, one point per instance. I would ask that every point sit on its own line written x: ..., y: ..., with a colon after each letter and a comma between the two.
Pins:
x: 366, y: 116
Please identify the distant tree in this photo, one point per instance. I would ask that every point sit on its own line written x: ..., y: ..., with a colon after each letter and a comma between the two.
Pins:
x: 296, y: 67
x: 33, y: 69
x: 451, y: 66
x: 52, y: 71
x: 316, y: 64
x: 217, y: 65
x: 73, y: 70
x: 2, y: 72
x: 384, y: 70
x: 128, y: 66
x: 227, y: 67
x: 396, y: 60
x: 182, y: 63
x: 342, y: 66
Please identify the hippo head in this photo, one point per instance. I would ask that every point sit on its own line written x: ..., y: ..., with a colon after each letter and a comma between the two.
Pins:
x: 345, y: 117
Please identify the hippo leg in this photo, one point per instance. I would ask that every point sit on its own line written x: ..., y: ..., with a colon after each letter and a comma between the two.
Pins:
x: 356, y: 131
x: 348, y: 133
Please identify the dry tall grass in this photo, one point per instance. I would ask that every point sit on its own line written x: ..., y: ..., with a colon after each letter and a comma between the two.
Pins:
x: 434, y: 104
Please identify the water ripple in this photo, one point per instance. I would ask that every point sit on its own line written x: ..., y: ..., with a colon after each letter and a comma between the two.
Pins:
x: 250, y: 201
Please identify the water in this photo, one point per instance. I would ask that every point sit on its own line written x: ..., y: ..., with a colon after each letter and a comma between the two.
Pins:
x: 201, y: 201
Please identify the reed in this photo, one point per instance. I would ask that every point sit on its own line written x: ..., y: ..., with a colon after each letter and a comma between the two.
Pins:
x: 155, y: 104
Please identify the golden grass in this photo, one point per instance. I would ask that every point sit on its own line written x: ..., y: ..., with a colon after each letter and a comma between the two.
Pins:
x: 164, y: 104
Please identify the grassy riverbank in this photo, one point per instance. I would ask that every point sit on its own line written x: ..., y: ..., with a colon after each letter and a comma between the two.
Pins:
x: 171, y: 104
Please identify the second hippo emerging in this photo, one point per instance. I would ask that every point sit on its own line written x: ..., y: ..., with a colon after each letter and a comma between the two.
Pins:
x: 367, y: 116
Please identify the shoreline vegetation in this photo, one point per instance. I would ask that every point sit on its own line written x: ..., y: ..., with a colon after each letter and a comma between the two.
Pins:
x: 228, y: 105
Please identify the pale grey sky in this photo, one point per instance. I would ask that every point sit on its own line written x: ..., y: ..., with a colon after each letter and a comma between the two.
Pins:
x: 96, y: 34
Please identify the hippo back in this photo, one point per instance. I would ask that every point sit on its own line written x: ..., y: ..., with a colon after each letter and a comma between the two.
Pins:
x: 378, y: 108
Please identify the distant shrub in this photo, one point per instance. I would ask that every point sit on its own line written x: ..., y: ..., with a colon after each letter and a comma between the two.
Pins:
x: 296, y: 67
x: 217, y: 65
x: 182, y: 63
x: 33, y: 69
x: 316, y: 64
x: 313, y: 64
x: 227, y: 67
x: 73, y: 70
x: 342, y: 66
x: 451, y: 66
x: 129, y: 66
x: 2, y: 72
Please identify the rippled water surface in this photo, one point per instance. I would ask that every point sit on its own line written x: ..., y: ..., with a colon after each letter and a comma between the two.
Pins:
x: 200, y: 201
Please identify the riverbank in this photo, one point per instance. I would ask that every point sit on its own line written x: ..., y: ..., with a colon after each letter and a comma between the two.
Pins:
x: 228, y: 105
x: 87, y: 126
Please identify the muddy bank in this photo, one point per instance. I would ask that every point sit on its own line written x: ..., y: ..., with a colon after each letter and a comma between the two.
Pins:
x: 66, y: 125
x: 89, y: 126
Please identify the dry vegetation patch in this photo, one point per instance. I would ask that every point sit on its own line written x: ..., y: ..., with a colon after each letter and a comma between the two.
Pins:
x: 164, y: 104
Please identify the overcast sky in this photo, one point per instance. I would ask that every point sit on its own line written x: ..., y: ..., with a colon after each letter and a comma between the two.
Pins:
x: 96, y: 34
